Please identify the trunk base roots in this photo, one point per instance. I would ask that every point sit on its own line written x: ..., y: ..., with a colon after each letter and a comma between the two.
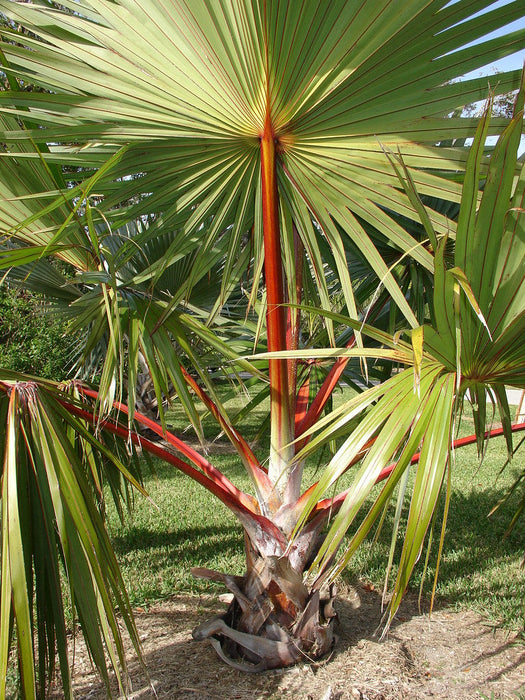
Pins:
x: 241, y: 641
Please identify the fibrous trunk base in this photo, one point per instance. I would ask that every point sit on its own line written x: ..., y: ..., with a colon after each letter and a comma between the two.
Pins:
x: 273, y: 620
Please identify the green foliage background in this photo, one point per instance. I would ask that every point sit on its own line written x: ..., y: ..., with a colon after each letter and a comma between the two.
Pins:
x: 32, y: 341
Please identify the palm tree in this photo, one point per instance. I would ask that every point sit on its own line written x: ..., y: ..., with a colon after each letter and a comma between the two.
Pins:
x: 266, y: 138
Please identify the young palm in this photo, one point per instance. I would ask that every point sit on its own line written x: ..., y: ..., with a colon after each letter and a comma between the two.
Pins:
x: 255, y: 131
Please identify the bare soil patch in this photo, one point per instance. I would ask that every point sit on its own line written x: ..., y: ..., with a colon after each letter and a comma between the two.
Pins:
x: 451, y: 655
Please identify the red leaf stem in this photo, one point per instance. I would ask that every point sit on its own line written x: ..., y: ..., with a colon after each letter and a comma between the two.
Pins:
x: 197, y: 459
x: 253, y: 466
x: 301, y: 404
x: 333, y: 504
x: 329, y: 384
x: 261, y: 529
x: 323, y: 394
x: 293, y: 321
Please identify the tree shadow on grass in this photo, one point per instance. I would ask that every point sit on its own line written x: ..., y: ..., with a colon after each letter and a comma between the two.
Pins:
x: 479, y: 567
x: 479, y: 556
x: 194, y: 543
x: 156, y: 565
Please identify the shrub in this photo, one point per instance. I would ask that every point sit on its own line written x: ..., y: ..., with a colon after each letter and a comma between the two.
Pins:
x: 31, y: 339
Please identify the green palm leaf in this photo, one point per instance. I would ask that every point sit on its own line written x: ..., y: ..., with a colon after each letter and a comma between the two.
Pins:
x: 50, y: 525
x: 188, y: 82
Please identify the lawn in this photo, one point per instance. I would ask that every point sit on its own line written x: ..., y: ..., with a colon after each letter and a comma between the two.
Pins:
x: 185, y: 527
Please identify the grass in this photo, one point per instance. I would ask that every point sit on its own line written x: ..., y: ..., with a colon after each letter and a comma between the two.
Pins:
x: 187, y: 527
x: 479, y: 570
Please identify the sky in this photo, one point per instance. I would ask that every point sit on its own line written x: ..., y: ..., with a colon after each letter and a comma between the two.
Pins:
x: 516, y: 60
